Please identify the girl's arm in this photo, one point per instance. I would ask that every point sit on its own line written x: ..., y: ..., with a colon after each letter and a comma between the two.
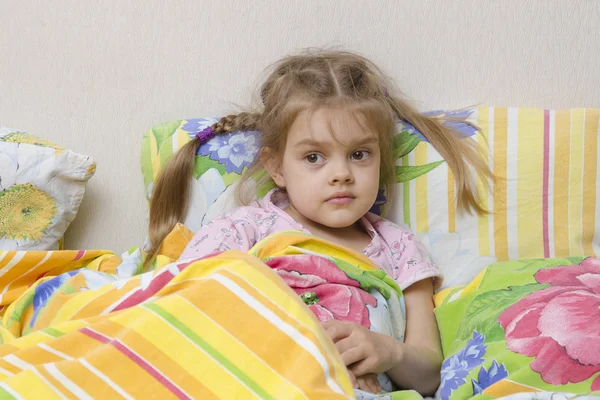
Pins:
x: 419, y: 358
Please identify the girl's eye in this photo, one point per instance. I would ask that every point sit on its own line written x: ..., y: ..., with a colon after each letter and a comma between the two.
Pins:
x: 360, y: 155
x: 314, y: 158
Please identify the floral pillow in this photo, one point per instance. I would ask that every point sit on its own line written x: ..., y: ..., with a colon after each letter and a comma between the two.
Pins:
x: 41, y: 188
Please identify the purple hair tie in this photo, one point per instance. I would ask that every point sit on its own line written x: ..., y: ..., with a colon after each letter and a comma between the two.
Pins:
x: 205, y: 134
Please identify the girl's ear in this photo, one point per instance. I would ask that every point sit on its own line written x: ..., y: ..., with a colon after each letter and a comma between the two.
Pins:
x: 270, y: 161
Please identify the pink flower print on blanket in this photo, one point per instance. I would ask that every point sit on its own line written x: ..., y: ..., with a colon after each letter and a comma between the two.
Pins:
x: 560, y: 325
x: 325, y: 289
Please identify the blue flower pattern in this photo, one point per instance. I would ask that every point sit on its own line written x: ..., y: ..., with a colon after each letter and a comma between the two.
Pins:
x: 235, y: 150
x: 45, y: 290
x: 462, y: 129
x: 487, y: 378
x: 379, y: 201
x: 197, y: 124
x: 456, y: 368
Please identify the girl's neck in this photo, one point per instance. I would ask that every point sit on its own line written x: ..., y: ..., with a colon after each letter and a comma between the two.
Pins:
x: 353, y: 236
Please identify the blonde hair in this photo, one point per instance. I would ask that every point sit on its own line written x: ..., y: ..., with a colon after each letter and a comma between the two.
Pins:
x: 309, y: 81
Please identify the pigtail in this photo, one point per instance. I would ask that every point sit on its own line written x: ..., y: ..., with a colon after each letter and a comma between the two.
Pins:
x: 462, y: 154
x: 170, y: 196
x: 172, y: 190
x: 244, y: 122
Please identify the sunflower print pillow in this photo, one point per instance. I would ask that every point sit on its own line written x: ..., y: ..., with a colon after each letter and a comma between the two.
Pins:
x: 41, y: 188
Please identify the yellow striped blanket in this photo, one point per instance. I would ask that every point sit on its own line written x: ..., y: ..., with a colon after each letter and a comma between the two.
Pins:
x: 220, y: 327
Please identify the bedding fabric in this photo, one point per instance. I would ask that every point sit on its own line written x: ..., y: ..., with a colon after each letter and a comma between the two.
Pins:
x: 196, y: 328
x: 523, y: 326
x: 222, y: 327
x: 545, y: 202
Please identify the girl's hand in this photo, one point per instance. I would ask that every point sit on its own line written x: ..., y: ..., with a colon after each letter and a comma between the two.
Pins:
x: 368, y: 383
x: 362, y: 350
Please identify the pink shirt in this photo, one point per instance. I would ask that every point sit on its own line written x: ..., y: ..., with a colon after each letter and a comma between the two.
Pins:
x: 392, y: 248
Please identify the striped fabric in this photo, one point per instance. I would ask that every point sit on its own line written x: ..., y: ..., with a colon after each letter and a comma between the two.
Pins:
x: 21, y: 269
x: 546, y: 202
x: 225, y: 327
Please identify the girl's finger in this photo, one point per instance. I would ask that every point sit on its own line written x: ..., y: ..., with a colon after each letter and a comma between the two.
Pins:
x: 376, y: 384
x: 361, y: 367
x: 366, y: 383
x: 362, y: 384
x: 345, y: 344
x: 351, y: 356
x: 337, y: 330
x: 353, y: 379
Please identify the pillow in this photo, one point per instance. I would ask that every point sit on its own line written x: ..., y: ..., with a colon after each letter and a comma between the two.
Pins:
x: 41, y: 188
x: 545, y: 204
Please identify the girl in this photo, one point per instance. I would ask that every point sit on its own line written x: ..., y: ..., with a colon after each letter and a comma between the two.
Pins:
x: 327, y: 121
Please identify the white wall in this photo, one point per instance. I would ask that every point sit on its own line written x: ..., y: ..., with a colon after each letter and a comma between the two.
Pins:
x: 93, y: 76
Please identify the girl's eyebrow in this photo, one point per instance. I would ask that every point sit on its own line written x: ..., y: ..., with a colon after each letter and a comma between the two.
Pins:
x: 311, y: 142
x: 365, y: 141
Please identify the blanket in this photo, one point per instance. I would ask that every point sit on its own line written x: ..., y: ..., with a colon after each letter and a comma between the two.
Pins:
x: 337, y: 283
x: 239, y: 325
x: 21, y: 269
x: 528, y: 326
x: 226, y: 326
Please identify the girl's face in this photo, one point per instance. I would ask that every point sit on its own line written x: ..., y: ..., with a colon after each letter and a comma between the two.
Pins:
x: 330, y: 168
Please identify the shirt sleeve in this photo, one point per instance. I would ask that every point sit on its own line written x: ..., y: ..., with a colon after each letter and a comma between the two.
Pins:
x: 410, y: 261
x: 415, y: 265
x: 219, y: 235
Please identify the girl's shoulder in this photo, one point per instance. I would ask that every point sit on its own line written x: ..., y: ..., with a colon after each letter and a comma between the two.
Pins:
x: 385, y: 227
x: 252, y: 213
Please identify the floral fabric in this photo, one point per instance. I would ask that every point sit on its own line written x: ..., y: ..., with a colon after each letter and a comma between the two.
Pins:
x: 521, y: 330
x: 567, y: 319
x: 41, y: 188
x: 523, y: 326
x: 336, y: 283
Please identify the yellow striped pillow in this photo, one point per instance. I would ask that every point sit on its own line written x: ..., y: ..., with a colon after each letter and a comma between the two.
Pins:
x: 545, y: 204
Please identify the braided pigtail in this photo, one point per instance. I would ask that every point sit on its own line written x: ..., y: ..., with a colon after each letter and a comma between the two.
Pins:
x: 171, y: 194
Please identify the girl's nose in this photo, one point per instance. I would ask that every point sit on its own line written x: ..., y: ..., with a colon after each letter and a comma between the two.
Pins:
x: 340, y: 173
